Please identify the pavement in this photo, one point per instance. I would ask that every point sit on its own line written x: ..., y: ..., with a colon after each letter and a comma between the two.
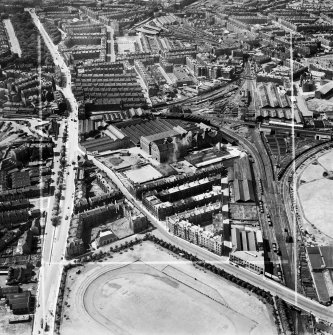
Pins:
x: 56, y: 237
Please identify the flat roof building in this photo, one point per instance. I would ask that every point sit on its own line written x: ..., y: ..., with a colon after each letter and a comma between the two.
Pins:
x: 251, y: 260
x: 321, y: 265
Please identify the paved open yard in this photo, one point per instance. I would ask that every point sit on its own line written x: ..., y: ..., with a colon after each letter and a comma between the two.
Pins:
x: 126, y: 43
x: 315, y: 194
x: 143, y: 174
x: 119, y: 161
x: 149, y: 290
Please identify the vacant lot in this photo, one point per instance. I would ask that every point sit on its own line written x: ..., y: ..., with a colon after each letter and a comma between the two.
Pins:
x: 151, y: 291
x: 243, y: 212
x: 12, y: 329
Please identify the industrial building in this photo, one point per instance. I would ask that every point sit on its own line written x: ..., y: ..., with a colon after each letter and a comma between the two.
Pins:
x: 241, y: 178
x: 251, y: 260
x: 325, y: 92
x: 321, y: 265
x: 163, y: 146
x: 245, y: 240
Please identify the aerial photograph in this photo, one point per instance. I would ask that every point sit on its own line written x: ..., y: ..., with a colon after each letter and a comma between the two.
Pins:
x: 166, y: 167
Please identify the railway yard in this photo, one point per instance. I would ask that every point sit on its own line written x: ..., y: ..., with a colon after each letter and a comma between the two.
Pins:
x: 166, y: 167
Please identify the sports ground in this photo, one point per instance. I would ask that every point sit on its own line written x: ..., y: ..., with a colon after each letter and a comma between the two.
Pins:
x: 315, y: 194
x: 151, y: 291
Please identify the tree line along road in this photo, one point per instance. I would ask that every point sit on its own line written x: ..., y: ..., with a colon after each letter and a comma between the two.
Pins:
x: 274, y: 288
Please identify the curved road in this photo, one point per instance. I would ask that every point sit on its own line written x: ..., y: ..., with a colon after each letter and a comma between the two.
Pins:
x: 283, y: 292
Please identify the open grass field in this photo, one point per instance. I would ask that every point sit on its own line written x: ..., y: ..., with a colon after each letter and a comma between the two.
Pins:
x: 312, y: 172
x: 149, y: 290
x: 315, y: 194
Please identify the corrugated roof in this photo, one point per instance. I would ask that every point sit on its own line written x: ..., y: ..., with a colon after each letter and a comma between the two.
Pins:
x: 237, y: 192
x: 302, y: 106
x: 162, y: 135
x: 251, y: 241
x: 312, y: 250
x: 235, y: 238
x: 244, y: 241
x: 320, y: 285
x: 248, y: 190
x: 327, y: 254
x: 316, y: 261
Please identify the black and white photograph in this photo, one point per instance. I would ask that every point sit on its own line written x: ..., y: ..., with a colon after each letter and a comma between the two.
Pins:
x: 166, y: 167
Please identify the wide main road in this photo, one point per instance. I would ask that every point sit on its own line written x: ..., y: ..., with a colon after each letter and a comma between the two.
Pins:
x: 275, y: 288
x: 285, y: 293
x: 56, y: 238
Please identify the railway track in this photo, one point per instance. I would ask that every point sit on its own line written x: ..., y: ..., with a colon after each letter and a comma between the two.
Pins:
x: 215, y: 94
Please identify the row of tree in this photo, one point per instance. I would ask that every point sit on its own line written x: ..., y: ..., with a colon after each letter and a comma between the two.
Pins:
x: 61, y: 186
x: 60, y: 301
x: 208, y: 266
x: 282, y: 313
x: 53, y: 32
x: 285, y: 316
x: 28, y: 36
x: 266, y: 295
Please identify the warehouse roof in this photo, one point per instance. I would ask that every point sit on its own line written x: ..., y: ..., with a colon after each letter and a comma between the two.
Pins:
x: 302, y: 106
x: 327, y: 254
x: 243, y: 190
x: 320, y: 286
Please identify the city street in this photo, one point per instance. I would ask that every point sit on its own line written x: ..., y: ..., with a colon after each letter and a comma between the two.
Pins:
x: 275, y: 288
x: 56, y: 237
